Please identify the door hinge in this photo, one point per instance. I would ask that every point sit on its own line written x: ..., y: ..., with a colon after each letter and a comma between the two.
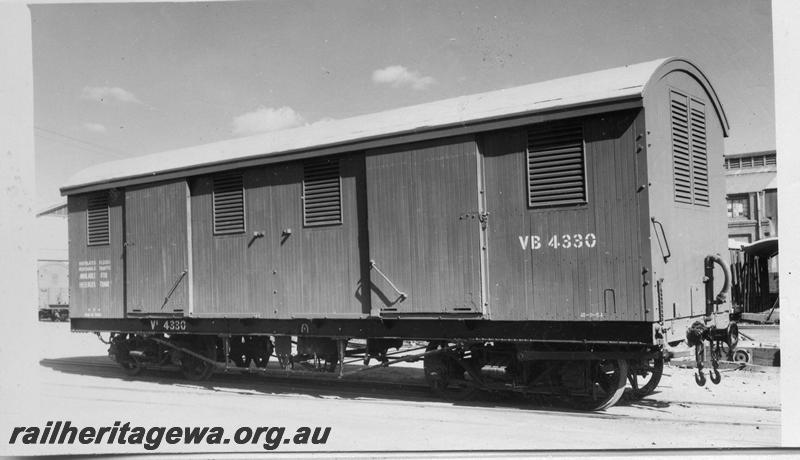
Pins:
x: 483, y: 217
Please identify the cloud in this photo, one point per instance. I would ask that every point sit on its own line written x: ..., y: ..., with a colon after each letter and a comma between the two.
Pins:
x: 95, y: 127
x: 266, y: 119
x: 107, y: 93
x: 397, y: 76
x: 322, y: 121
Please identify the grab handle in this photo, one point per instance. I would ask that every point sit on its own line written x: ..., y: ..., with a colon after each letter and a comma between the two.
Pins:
x: 664, y: 237
x: 174, y: 286
x: 720, y: 298
x: 374, y: 266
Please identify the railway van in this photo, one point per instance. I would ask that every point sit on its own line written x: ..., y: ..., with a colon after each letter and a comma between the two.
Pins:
x: 556, y: 238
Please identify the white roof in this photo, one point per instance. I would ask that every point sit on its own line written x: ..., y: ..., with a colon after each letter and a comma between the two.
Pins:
x: 602, y: 86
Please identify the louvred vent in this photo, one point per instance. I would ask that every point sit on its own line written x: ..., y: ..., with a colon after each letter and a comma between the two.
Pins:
x: 322, y: 193
x: 556, y: 170
x: 699, y: 153
x: 228, y: 204
x: 681, y: 166
x: 689, y: 149
x: 97, y: 220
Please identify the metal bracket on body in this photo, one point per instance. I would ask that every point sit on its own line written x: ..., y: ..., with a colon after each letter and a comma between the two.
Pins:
x: 174, y: 286
x: 483, y: 217
x: 374, y: 266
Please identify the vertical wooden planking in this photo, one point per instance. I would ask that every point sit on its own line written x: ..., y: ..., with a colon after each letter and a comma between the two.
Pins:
x: 255, y: 247
x: 189, y: 251
x: 279, y: 268
x: 363, y: 293
x: 612, y: 146
x: 156, y: 252
x: 389, y: 210
x: 566, y: 284
x: 424, y: 226
x: 325, y: 272
x: 103, y: 265
x: 230, y: 272
x: 283, y: 252
x: 354, y: 233
x: 509, y: 263
x: 202, y: 250
x: 331, y: 264
x: 231, y: 269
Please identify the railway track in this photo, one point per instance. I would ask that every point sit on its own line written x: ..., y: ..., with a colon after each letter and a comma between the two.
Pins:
x: 291, y: 384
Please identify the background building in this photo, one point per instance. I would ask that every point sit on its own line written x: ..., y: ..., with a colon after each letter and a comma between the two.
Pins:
x: 752, y: 198
x: 752, y: 193
x: 52, y: 255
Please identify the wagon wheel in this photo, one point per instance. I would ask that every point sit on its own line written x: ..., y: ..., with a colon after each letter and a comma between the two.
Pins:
x: 741, y: 357
x: 327, y: 363
x: 728, y: 346
x: 236, y: 352
x: 263, y: 352
x: 605, y: 382
x: 131, y: 366
x: 446, y: 377
x: 128, y: 363
x: 644, y: 379
x: 196, y: 369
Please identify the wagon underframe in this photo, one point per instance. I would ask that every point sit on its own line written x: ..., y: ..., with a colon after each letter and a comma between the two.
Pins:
x: 591, y: 375
x: 634, y: 333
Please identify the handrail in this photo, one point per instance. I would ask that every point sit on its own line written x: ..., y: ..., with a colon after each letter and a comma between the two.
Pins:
x: 174, y: 286
x: 726, y: 272
x: 373, y: 265
x: 664, y: 236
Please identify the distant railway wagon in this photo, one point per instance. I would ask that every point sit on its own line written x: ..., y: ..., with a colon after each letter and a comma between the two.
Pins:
x: 550, y: 238
x: 53, y: 290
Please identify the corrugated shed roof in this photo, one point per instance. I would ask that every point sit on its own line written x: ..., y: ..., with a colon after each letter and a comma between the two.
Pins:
x: 596, y: 87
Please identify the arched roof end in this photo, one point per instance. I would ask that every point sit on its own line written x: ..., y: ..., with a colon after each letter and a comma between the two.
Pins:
x: 675, y: 64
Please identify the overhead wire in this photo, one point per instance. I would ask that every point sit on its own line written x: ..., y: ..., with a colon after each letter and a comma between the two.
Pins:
x: 103, y: 149
x: 69, y: 147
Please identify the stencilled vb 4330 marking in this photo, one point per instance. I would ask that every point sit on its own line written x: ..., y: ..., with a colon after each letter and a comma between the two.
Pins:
x: 564, y: 241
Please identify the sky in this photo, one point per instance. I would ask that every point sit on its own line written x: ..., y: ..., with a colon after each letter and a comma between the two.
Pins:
x: 118, y: 80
